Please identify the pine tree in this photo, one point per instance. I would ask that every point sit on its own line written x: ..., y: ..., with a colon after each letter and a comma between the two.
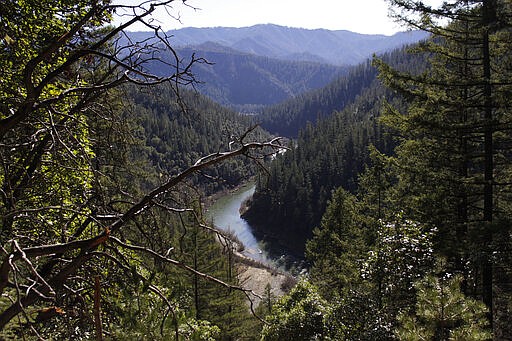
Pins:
x: 452, y: 158
x: 444, y: 313
x: 337, y: 246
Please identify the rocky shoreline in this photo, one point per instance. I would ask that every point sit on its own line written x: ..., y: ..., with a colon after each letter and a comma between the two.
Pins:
x: 252, y: 274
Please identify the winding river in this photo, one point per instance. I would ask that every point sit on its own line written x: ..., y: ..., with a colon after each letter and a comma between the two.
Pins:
x: 225, y: 215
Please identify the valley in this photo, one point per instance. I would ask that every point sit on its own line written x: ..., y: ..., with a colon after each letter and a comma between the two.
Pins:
x: 362, y: 184
x: 250, y: 68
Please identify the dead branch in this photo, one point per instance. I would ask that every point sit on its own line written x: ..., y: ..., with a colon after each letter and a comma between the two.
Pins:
x: 183, y: 266
x: 32, y: 101
x: 86, y: 246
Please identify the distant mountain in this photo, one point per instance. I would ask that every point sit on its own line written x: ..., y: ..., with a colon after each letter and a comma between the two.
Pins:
x: 257, y: 66
x: 243, y: 80
x: 320, y: 45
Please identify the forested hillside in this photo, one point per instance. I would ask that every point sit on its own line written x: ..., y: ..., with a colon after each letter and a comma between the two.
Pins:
x: 336, y: 126
x: 396, y: 190
x: 421, y: 250
x: 288, y: 117
x: 249, y: 82
x: 176, y: 136
x: 104, y: 166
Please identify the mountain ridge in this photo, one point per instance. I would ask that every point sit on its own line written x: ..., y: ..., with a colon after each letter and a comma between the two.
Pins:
x: 252, y: 67
x: 337, y: 47
x: 245, y: 81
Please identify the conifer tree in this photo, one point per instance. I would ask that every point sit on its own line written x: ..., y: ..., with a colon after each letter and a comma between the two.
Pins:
x: 455, y: 137
x: 337, y: 246
x: 300, y: 315
x: 443, y: 312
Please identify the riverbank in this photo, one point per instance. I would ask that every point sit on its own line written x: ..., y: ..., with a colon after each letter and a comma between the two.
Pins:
x: 259, y: 280
x: 210, y: 200
x: 256, y: 270
x: 260, y: 277
x: 224, y: 214
x: 286, y: 249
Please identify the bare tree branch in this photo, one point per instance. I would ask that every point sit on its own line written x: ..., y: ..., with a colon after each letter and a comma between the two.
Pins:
x: 87, y: 245
x: 34, y: 91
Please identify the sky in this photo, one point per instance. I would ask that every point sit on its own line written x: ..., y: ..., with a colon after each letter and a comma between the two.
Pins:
x: 361, y: 16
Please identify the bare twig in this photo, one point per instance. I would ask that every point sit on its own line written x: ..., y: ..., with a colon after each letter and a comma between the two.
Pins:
x: 85, y: 246
x: 183, y: 266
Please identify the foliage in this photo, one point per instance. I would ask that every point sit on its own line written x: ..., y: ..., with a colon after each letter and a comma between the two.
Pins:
x: 140, y: 317
x: 328, y: 155
x: 366, y: 268
x: 358, y: 285
x: 297, y: 316
x: 452, y: 161
x: 289, y: 117
x: 402, y: 254
x: 175, y: 139
x: 88, y: 225
x: 338, y: 246
x: 444, y: 313
x: 249, y: 82
x: 356, y: 315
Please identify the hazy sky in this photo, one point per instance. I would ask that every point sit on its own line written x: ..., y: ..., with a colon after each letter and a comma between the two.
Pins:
x: 362, y: 16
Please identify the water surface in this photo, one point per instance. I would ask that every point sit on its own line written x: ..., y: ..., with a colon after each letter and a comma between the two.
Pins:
x: 225, y: 215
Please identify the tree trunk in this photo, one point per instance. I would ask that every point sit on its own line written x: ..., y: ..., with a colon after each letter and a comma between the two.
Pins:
x: 487, y: 271
x: 97, y: 309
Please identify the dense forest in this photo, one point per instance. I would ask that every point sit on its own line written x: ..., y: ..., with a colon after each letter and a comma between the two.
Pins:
x: 395, y: 186
x: 331, y: 150
x: 417, y: 245
x: 249, y: 82
x: 289, y: 117
x: 105, y: 166
x: 328, y: 153
x: 176, y: 136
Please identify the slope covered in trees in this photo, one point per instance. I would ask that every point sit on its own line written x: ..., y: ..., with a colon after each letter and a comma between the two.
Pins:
x: 327, y: 155
x: 422, y: 251
x: 95, y: 240
x: 179, y: 133
x: 289, y: 117
x: 248, y: 82
x: 101, y: 225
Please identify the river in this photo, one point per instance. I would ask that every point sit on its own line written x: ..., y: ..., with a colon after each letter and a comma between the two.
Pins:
x: 225, y: 215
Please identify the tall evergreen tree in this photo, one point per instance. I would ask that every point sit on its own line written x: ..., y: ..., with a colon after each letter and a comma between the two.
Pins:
x: 455, y: 138
x: 338, y: 246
